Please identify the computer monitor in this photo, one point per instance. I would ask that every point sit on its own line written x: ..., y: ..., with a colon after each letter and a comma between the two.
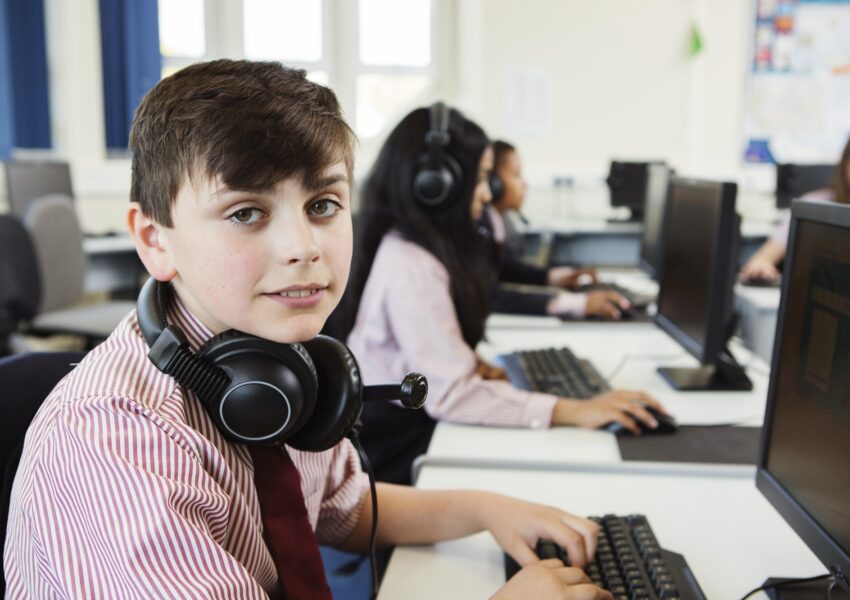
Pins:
x: 658, y: 177
x: 695, y: 299
x: 792, y: 181
x: 27, y: 180
x: 627, y: 185
x: 803, y: 466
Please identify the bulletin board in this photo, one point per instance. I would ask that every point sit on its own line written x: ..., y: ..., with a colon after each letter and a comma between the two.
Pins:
x: 798, y: 101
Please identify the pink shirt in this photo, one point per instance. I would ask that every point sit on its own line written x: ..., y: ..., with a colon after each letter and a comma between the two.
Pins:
x: 127, y: 490
x: 407, y: 322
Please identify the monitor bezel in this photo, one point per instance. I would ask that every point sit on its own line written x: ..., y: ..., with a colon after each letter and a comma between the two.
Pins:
x: 654, y: 271
x: 721, y: 282
x: 804, y: 524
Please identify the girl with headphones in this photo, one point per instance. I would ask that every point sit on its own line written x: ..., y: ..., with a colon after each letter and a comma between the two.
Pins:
x: 501, y: 226
x: 418, y: 295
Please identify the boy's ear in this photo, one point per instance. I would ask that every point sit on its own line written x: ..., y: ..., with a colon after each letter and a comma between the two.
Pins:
x: 146, y: 235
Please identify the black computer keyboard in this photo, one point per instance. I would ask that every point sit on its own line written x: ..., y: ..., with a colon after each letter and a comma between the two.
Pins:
x: 639, y: 301
x: 629, y: 563
x: 554, y: 371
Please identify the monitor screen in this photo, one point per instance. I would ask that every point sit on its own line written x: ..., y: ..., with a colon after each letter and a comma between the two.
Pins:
x: 658, y: 176
x: 794, y: 181
x: 27, y: 180
x: 807, y: 426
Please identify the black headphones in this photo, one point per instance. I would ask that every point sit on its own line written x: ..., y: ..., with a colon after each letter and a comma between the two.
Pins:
x: 438, y: 175
x: 308, y: 395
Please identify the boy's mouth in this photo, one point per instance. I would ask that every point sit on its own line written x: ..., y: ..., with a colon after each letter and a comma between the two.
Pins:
x: 299, y: 296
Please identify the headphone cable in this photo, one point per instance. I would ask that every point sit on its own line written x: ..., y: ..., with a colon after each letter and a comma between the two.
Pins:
x: 373, y: 536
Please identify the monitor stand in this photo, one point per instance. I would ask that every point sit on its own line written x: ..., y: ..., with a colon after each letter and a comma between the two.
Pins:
x: 811, y: 590
x: 726, y: 375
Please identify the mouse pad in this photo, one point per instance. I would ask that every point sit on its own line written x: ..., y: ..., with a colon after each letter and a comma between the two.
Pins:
x: 695, y: 444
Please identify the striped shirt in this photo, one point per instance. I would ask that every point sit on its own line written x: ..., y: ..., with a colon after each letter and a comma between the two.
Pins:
x: 407, y: 322
x: 126, y: 489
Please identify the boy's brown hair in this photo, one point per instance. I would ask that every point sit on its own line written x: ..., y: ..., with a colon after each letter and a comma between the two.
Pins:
x: 251, y: 123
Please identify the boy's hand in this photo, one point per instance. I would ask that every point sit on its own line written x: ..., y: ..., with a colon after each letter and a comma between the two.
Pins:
x: 551, y: 579
x: 517, y: 525
x: 619, y: 405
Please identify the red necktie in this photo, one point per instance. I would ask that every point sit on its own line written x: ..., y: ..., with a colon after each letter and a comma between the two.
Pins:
x: 291, y: 539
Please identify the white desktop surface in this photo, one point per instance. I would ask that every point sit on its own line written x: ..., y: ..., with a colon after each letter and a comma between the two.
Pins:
x: 644, y: 347
x: 730, y: 535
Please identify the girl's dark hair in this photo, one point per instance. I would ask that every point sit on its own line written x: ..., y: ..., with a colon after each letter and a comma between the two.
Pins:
x: 448, y: 232
x: 840, y: 185
x: 501, y: 149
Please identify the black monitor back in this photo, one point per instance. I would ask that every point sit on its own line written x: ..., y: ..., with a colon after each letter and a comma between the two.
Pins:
x: 627, y: 185
x: 28, y: 180
x: 803, y: 467
x: 652, y: 237
x: 695, y: 300
x: 793, y: 181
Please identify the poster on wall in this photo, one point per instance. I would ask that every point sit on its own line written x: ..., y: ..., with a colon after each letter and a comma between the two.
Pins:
x: 799, y: 91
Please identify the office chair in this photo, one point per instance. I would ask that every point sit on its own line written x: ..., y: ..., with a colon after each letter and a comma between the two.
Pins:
x: 58, y: 240
x: 26, y: 380
x: 19, y: 289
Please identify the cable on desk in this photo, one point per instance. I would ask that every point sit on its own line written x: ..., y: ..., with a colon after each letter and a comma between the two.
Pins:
x: 793, y: 582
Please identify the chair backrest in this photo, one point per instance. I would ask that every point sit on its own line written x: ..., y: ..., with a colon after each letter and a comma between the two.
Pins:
x: 20, y: 287
x: 25, y: 381
x: 58, y: 239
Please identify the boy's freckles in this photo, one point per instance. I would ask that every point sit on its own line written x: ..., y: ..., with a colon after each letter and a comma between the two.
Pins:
x: 230, y: 274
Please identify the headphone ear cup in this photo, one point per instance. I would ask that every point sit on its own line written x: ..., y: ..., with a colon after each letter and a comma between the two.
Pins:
x: 272, y: 391
x: 497, y: 187
x: 339, y: 399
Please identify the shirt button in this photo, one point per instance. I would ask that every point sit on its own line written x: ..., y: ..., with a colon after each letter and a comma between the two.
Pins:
x: 535, y: 423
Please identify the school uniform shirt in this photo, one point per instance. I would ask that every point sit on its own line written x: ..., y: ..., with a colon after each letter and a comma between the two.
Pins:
x: 407, y: 322
x: 509, y: 268
x: 126, y: 489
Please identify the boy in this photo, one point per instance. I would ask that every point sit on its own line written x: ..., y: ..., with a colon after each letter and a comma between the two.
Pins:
x: 241, y: 200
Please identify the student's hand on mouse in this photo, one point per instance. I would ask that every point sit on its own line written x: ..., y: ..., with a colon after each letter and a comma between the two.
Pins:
x: 606, y: 305
x: 759, y: 268
x: 518, y: 525
x: 570, y: 278
x: 550, y: 579
x: 619, y: 405
x: 489, y: 371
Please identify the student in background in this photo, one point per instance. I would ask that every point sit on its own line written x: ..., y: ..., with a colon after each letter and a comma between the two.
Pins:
x: 762, y: 266
x: 127, y: 488
x: 418, y: 295
x: 501, y: 225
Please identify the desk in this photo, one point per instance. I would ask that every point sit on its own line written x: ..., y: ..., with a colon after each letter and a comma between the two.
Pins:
x: 595, y: 242
x: 758, y: 308
x: 643, y: 346
x: 730, y: 535
x: 112, y: 264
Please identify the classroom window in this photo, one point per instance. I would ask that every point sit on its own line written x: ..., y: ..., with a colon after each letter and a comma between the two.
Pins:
x: 182, y: 33
x: 285, y: 30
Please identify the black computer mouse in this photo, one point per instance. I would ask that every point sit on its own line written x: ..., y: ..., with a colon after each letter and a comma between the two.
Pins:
x: 666, y: 424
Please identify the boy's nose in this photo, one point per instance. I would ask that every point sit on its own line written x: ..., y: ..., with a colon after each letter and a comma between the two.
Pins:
x: 298, y: 244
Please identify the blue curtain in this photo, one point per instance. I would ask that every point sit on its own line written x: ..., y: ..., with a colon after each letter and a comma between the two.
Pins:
x: 24, y: 102
x: 131, y: 62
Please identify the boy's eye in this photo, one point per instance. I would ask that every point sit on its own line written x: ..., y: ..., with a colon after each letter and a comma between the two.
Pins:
x: 324, y: 208
x: 246, y: 216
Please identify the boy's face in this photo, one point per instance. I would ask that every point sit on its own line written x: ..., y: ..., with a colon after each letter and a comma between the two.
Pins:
x: 273, y: 264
